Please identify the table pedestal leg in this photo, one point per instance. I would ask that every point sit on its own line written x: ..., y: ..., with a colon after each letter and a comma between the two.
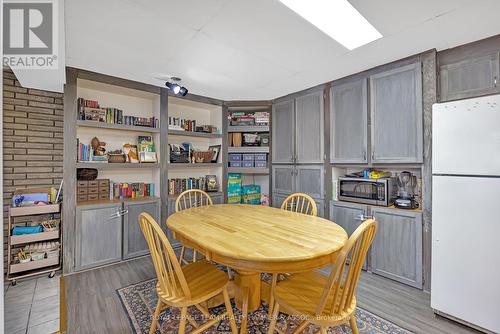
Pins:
x: 247, y: 295
x: 251, y: 281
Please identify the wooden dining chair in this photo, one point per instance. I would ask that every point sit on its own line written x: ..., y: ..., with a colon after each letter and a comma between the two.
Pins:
x: 326, y: 301
x: 301, y: 203
x: 190, y: 199
x: 298, y: 202
x: 186, y: 286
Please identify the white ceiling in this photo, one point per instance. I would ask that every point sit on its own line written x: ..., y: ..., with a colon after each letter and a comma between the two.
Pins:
x: 256, y: 49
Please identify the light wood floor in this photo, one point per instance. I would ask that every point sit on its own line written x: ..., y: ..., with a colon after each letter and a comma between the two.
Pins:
x: 93, y: 306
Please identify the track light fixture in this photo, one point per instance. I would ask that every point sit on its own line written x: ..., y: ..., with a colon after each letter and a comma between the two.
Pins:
x: 175, y: 87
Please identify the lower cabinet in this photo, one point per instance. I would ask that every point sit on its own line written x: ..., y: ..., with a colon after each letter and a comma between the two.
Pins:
x: 396, y: 251
x: 278, y: 198
x: 98, y: 235
x: 107, y: 233
x: 349, y: 216
x: 134, y: 243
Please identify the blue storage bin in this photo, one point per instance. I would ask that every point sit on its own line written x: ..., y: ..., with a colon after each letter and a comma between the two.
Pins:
x: 248, y: 156
x: 247, y: 164
x: 234, y: 163
x: 19, y: 230
x: 261, y: 164
x: 234, y: 156
x: 260, y: 156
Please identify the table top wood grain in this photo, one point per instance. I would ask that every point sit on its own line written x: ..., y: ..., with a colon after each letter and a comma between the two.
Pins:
x: 259, y: 238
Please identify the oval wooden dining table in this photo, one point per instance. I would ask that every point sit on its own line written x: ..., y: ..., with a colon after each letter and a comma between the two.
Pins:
x: 256, y: 239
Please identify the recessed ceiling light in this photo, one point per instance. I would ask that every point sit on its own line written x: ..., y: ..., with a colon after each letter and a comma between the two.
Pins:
x: 338, y: 19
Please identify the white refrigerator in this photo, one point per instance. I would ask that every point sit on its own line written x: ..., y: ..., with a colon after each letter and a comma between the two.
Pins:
x: 466, y: 211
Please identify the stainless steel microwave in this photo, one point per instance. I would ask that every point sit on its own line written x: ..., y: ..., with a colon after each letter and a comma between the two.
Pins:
x: 367, y: 191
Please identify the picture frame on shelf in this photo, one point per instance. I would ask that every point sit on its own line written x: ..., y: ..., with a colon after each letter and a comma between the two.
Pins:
x: 147, y: 157
x: 216, y: 149
x: 131, y: 153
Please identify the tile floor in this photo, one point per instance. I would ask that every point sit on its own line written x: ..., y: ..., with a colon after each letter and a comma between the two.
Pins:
x: 32, y: 306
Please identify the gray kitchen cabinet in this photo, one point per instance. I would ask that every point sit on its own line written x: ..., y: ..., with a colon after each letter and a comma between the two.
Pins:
x: 278, y: 199
x: 98, y: 235
x: 349, y: 122
x: 309, y: 128
x: 396, y: 251
x: 134, y: 243
x: 283, y: 179
x: 217, y: 198
x: 282, y: 132
x: 396, y: 115
x: 470, y: 78
x: 349, y: 216
x: 309, y: 179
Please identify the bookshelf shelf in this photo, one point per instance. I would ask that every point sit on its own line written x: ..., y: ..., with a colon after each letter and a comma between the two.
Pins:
x: 194, y: 134
x: 107, y: 165
x: 248, y: 149
x: 198, y: 165
x: 253, y: 128
x: 123, y: 200
x: 242, y: 170
x: 112, y: 126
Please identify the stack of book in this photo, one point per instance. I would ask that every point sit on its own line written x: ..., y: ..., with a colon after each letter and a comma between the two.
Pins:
x: 177, y: 186
x: 120, y: 190
x: 177, y: 123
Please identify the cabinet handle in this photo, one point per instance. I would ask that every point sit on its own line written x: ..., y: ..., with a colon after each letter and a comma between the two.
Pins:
x: 363, y: 217
x: 114, y: 215
x: 123, y: 212
x: 373, y: 155
x: 364, y: 155
x: 495, y: 81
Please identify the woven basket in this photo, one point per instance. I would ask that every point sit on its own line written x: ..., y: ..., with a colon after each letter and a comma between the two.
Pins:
x: 116, y: 158
x: 203, y: 156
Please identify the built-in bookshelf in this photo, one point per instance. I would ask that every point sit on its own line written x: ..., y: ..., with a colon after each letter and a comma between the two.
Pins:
x: 117, y: 116
x: 249, y: 143
x: 197, y: 125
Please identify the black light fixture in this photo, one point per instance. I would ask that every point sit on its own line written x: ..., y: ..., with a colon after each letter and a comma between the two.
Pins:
x: 175, y: 87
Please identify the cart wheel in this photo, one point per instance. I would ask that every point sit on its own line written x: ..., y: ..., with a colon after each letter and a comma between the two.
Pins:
x: 14, y: 282
x: 52, y: 274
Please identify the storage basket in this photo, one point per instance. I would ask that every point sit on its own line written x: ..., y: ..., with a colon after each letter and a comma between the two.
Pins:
x: 117, y: 158
x: 203, y: 156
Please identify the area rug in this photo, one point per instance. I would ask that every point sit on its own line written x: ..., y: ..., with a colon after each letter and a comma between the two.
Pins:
x: 139, y: 301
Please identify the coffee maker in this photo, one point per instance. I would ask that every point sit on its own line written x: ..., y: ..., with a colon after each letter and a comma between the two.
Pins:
x: 406, y: 183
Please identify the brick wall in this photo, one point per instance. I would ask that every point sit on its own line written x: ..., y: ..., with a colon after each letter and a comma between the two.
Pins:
x: 32, y: 140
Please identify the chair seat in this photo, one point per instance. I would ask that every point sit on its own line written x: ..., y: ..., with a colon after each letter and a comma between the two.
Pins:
x: 300, y: 294
x: 204, y: 279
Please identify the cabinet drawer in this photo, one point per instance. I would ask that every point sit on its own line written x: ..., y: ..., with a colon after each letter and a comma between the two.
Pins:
x: 103, y: 190
x: 103, y: 196
x: 93, y: 190
x: 82, y: 191
x: 82, y: 184
x: 92, y: 197
x: 103, y: 183
x: 93, y: 183
x: 81, y: 198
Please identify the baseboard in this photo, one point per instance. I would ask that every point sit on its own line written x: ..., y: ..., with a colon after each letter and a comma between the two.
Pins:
x: 463, y: 322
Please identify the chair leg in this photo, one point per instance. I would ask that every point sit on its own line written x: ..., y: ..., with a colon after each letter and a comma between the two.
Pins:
x: 181, y: 256
x: 271, y: 294
x: 274, y: 319
x: 301, y: 327
x: 182, y: 325
x: 156, y: 316
x: 194, y: 255
x: 229, y: 310
x: 354, y: 326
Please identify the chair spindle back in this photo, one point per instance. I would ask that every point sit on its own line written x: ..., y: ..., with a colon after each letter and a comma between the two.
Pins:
x: 301, y: 203
x: 192, y: 198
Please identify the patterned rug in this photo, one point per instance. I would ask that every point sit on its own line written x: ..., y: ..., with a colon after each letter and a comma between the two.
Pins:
x: 139, y: 301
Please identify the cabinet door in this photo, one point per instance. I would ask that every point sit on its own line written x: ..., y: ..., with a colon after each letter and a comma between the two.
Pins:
x: 396, y: 111
x: 283, y: 136
x: 134, y: 243
x: 309, y: 179
x: 349, y: 216
x: 278, y: 199
x: 309, y: 128
x: 284, y: 179
x: 171, y: 210
x: 470, y: 78
x: 217, y: 199
x: 98, y: 235
x: 320, y: 204
x: 349, y: 122
x: 397, y: 247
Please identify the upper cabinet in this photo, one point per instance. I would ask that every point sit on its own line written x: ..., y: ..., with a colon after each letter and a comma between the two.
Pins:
x: 298, y: 130
x: 309, y: 127
x: 283, y: 134
x: 469, y: 78
x: 349, y: 122
x: 396, y: 115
